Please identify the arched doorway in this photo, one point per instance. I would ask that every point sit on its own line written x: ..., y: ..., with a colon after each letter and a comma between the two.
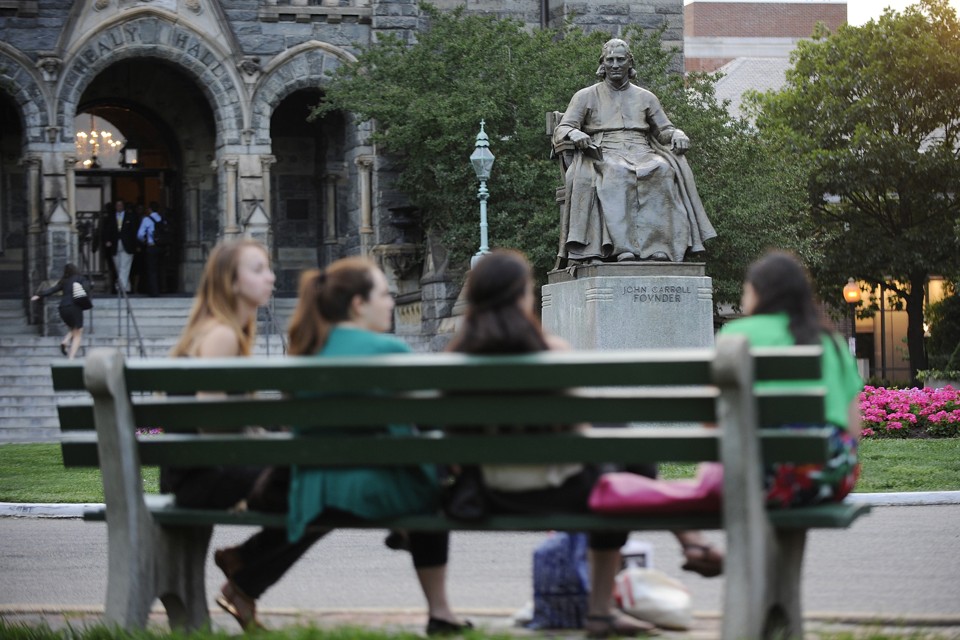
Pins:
x: 159, y: 111
x: 13, y: 205
x: 309, y: 182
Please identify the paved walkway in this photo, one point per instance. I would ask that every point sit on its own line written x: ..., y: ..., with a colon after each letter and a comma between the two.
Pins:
x: 898, y: 565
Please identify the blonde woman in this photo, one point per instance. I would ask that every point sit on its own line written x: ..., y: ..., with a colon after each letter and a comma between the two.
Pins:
x: 236, y: 281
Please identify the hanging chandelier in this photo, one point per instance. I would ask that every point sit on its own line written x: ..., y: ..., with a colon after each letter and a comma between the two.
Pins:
x: 97, y: 143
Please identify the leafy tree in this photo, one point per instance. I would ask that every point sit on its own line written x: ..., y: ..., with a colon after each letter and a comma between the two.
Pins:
x: 943, y: 346
x: 874, y: 112
x: 427, y: 99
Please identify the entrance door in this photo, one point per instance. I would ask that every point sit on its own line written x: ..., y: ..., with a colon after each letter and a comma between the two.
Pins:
x: 104, y: 175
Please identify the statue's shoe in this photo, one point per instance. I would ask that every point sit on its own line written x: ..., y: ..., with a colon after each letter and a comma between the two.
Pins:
x: 659, y: 256
x: 626, y: 256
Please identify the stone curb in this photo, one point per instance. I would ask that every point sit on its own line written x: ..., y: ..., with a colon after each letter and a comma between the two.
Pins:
x: 907, y: 499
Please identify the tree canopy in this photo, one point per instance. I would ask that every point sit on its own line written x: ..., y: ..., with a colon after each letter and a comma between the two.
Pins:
x: 428, y: 97
x: 874, y: 111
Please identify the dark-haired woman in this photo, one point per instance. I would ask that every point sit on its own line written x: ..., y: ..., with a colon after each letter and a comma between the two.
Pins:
x: 70, y: 313
x: 344, y: 310
x: 500, y: 320
x: 779, y: 303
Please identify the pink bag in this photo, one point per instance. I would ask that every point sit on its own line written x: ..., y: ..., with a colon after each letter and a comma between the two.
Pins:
x: 632, y: 493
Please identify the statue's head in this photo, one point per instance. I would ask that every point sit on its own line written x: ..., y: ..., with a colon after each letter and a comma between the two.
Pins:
x: 614, y: 55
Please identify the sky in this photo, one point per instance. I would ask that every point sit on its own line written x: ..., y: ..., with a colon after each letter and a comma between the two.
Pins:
x: 860, y: 11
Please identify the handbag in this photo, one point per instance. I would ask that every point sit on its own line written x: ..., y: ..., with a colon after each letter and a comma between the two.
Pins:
x: 631, y: 493
x: 80, y: 296
x: 462, y: 496
x: 654, y: 596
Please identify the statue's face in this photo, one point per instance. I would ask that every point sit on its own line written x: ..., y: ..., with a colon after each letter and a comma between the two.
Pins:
x: 616, y: 64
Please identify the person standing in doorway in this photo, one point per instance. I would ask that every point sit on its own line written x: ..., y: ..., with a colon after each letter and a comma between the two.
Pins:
x: 147, y: 235
x: 119, y: 240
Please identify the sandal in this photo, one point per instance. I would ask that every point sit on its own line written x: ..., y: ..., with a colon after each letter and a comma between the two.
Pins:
x: 618, y: 625
x: 706, y: 561
x: 246, y: 617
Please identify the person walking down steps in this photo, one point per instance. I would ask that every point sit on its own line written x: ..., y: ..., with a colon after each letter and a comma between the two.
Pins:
x: 75, y: 298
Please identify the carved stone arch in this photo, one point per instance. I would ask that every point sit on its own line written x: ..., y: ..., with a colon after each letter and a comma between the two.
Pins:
x: 153, y: 36
x: 22, y: 82
x: 302, y: 67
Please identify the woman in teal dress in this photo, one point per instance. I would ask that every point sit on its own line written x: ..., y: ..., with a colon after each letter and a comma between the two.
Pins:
x: 344, y: 310
x: 779, y: 303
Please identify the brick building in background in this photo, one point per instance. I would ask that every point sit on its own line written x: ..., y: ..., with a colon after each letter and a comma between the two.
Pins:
x: 750, y: 41
x: 716, y: 32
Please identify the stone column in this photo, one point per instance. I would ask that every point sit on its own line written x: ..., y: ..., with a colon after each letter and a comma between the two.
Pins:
x: 69, y: 166
x: 36, y: 261
x: 365, y: 167
x: 230, y: 227
x: 267, y: 201
x: 330, y: 209
x: 193, y: 243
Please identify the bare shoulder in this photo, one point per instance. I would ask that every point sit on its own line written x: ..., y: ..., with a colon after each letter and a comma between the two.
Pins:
x: 556, y: 343
x: 219, y: 341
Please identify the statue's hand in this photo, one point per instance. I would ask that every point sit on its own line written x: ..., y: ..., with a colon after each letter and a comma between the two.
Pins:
x: 579, y: 139
x: 679, y: 141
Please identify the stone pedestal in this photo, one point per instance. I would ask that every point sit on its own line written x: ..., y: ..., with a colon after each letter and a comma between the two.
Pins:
x: 642, y: 305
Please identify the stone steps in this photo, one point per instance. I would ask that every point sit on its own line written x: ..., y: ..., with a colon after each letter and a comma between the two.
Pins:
x: 28, y: 403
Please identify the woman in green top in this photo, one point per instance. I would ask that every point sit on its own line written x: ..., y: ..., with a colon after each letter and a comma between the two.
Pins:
x: 344, y: 310
x: 779, y: 303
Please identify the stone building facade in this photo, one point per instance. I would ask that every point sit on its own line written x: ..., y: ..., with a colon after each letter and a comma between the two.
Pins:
x: 213, y: 96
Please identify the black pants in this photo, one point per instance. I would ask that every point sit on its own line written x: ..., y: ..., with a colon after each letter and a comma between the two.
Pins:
x: 268, y: 554
x: 152, y: 266
x: 572, y: 496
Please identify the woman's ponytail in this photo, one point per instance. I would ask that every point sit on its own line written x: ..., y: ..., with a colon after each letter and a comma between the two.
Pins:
x: 308, y: 329
x: 325, y: 299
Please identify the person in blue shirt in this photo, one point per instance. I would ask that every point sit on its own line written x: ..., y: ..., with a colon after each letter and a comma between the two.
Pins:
x: 146, y: 234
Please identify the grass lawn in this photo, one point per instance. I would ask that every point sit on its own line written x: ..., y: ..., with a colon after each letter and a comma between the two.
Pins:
x: 35, y: 472
x: 21, y: 632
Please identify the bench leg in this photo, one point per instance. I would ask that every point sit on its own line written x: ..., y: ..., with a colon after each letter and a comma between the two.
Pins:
x: 784, y: 615
x: 762, y: 593
x: 180, y: 575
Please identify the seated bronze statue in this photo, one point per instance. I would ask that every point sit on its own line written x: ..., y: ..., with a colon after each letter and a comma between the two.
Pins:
x: 630, y: 192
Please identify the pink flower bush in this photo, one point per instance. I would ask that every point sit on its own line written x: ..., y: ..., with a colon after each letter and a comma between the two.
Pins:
x: 910, y: 413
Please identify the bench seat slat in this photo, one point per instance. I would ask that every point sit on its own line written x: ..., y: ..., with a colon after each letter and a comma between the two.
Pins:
x: 681, y: 444
x: 823, y: 516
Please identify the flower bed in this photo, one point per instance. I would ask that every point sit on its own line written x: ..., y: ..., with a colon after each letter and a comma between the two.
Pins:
x: 910, y: 413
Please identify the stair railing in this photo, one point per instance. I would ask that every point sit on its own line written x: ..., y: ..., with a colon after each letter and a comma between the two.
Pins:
x: 131, y: 316
x: 273, y: 328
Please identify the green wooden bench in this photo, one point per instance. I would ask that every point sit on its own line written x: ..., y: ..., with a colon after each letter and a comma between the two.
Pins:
x: 158, y: 550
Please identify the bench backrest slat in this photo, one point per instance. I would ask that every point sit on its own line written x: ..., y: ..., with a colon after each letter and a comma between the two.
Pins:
x: 676, y: 405
x: 688, y: 444
x: 443, y: 372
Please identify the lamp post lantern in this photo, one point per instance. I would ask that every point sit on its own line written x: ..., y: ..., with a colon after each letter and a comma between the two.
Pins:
x: 851, y: 295
x: 482, y: 161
